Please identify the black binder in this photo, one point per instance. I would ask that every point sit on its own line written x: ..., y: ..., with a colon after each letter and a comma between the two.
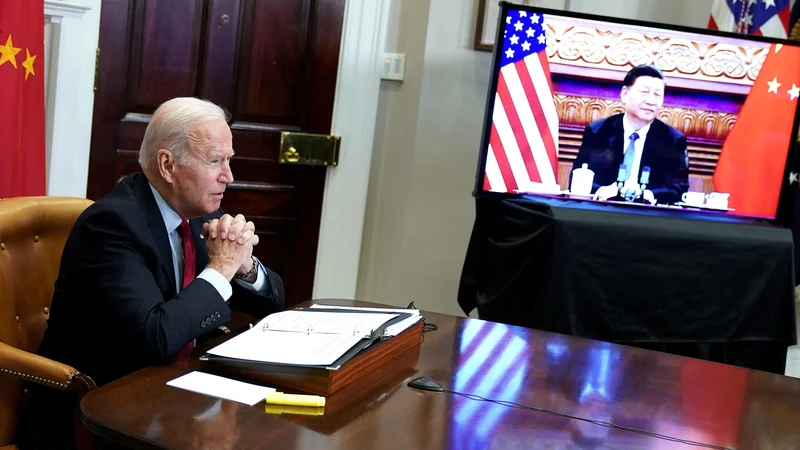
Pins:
x: 375, y: 336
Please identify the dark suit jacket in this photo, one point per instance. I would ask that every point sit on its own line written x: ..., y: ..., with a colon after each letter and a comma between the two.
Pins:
x: 664, y: 152
x: 115, y: 309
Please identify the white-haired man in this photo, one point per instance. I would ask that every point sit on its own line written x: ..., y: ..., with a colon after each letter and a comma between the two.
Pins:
x: 148, y: 268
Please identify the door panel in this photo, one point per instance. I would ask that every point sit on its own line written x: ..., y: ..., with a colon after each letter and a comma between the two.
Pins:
x: 262, y: 77
x: 164, y: 51
x: 271, y: 63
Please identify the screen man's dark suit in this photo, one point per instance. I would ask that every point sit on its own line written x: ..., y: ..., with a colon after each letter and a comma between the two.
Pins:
x: 115, y: 309
x: 602, y: 148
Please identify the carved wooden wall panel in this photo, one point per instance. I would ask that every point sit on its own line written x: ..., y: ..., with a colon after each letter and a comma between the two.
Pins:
x: 583, y: 43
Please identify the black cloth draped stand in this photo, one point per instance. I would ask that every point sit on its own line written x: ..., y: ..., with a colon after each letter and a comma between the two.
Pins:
x: 721, y: 290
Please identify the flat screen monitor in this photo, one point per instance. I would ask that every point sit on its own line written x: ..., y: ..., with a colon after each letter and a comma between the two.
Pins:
x: 597, y: 109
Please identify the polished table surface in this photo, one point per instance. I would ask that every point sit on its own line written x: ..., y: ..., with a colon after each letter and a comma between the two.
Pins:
x: 681, y: 397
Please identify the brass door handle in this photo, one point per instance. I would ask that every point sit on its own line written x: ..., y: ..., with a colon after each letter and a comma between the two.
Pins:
x: 309, y: 149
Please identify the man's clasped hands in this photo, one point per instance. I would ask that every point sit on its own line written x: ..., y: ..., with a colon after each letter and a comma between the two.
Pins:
x: 229, y: 242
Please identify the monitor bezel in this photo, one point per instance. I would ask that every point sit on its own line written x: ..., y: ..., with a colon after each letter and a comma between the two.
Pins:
x: 782, y: 211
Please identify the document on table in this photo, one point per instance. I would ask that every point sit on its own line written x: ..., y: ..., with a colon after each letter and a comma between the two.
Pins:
x: 312, y: 349
x: 391, y: 330
x: 325, y: 322
x: 216, y: 386
x: 304, y: 337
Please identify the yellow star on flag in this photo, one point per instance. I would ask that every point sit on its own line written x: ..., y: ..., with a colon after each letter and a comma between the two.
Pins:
x: 8, y: 52
x: 28, y: 64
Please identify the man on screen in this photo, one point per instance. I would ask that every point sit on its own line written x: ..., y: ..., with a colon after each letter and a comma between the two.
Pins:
x: 637, y: 140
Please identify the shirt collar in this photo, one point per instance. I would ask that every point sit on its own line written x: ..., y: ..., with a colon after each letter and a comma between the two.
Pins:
x: 171, y: 219
x: 628, y: 128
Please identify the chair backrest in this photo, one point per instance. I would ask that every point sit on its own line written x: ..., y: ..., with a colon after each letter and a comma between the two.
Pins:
x: 33, y: 231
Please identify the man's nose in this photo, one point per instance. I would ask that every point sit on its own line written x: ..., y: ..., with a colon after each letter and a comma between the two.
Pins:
x: 227, y: 174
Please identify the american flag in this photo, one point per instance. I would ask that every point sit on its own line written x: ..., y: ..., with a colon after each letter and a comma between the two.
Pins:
x: 523, y: 140
x: 758, y: 17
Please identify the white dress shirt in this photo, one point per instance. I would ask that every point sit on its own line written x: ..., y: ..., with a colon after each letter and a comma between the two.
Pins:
x: 172, y: 221
x: 638, y: 145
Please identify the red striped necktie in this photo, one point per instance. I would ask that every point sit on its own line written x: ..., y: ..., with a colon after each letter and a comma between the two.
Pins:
x: 189, y: 259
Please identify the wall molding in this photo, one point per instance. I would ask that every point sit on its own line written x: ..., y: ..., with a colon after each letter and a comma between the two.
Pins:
x: 71, y: 33
x: 354, y: 118
x: 55, y: 10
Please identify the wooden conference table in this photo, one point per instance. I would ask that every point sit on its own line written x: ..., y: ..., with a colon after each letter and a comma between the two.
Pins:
x: 671, y: 395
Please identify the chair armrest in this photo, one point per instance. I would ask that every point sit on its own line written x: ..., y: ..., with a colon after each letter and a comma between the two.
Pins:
x: 38, y: 369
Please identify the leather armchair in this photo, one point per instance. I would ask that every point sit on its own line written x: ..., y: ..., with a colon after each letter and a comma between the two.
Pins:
x: 33, y: 231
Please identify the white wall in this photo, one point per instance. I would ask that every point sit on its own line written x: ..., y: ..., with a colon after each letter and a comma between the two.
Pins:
x: 70, y: 61
x: 354, y: 113
x: 420, y: 209
x: 694, y: 13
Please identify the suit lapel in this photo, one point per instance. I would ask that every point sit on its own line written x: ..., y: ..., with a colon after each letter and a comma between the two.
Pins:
x: 159, y: 232
x: 617, y: 142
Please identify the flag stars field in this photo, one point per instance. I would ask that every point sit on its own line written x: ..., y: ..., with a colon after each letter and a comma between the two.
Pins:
x: 8, y: 54
x: 773, y: 85
x: 794, y: 92
x: 761, y: 17
x: 28, y: 64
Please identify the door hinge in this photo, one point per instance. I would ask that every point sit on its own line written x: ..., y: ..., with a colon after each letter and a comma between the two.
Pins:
x: 96, y: 68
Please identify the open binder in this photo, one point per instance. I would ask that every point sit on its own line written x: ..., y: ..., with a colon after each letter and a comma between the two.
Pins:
x: 327, y: 325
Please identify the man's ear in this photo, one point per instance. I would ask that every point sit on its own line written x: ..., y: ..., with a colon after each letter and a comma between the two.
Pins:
x: 623, y: 93
x: 166, y: 165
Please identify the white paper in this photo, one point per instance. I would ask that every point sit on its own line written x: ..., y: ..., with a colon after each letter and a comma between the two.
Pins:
x: 216, y: 386
x: 257, y: 344
x: 325, y: 322
x: 399, y: 327
x: 391, y: 330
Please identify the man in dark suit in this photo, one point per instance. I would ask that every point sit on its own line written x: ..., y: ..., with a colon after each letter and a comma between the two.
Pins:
x: 151, y: 267
x: 638, y: 140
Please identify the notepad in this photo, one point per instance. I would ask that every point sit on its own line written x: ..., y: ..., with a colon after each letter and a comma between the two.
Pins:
x: 216, y: 386
x: 304, y: 337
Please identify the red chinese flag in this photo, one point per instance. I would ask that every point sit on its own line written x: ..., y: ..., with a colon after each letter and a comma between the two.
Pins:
x: 22, y: 153
x: 752, y: 161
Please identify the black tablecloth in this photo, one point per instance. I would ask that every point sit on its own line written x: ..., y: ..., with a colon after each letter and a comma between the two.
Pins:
x: 721, y: 290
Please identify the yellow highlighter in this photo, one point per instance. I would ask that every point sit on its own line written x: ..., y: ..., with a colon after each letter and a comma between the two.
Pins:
x: 289, y: 409
x: 279, y: 398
